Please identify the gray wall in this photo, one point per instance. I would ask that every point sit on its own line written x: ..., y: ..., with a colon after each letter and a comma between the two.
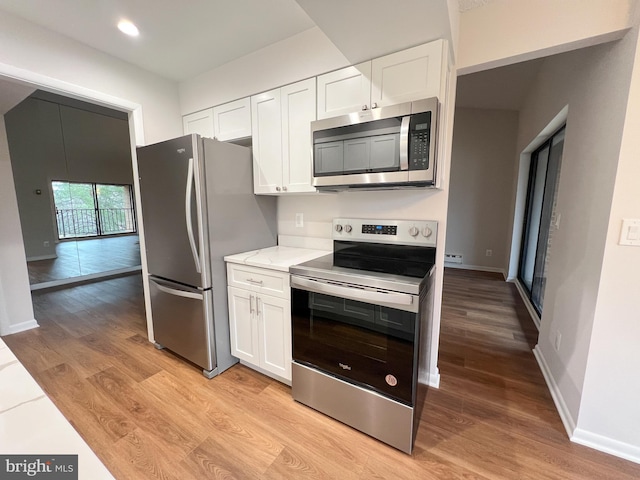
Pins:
x: 483, y: 160
x: 594, y: 84
x: 48, y: 141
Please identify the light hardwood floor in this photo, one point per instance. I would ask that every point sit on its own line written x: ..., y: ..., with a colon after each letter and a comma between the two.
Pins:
x: 150, y: 416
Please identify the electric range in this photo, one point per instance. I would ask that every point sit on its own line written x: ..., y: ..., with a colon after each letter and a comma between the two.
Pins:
x: 361, y: 326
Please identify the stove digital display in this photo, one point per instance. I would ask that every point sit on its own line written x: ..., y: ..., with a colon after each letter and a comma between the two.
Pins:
x: 380, y: 229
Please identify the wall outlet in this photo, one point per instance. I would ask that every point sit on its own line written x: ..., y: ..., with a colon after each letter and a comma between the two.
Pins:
x: 45, y: 243
x: 299, y: 220
x: 558, y: 340
x: 489, y: 252
x: 452, y: 258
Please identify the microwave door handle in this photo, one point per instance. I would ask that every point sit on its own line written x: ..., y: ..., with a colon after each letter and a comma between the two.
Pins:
x: 404, y: 143
x: 352, y: 293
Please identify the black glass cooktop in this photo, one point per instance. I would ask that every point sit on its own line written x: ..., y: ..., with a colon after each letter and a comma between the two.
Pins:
x: 406, y: 260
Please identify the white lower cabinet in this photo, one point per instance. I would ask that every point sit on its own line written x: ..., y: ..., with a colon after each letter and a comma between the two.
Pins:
x: 260, y: 323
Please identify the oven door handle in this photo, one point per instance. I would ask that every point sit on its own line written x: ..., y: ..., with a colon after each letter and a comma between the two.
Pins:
x: 353, y: 293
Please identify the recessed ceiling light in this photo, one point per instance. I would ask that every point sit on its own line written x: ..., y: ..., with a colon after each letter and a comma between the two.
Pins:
x: 129, y: 28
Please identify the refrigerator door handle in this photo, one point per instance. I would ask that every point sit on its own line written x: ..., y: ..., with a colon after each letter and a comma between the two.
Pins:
x: 178, y: 293
x: 187, y: 211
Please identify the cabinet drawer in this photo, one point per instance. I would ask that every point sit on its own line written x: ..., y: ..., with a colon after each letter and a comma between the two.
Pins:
x: 260, y: 280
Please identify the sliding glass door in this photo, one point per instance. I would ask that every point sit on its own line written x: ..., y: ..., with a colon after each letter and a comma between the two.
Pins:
x: 540, y: 214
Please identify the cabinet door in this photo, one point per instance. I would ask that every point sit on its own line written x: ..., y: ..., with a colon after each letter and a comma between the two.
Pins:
x: 274, y: 323
x: 199, y: 122
x: 407, y: 75
x: 298, y: 111
x: 344, y: 91
x: 243, y: 325
x: 266, y: 124
x: 232, y: 120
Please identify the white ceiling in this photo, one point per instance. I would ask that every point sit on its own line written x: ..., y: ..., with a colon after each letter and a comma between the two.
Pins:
x: 365, y: 29
x: 179, y: 39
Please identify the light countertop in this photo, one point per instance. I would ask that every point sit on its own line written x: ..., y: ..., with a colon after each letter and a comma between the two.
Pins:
x: 276, y: 258
x: 30, y: 424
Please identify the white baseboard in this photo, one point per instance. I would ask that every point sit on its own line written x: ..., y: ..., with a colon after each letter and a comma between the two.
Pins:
x: 567, y: 420
x: 606, y: 444
x: 21, y: 327
x: 527, y: 303
x: 42, y: 257
x: 479, y: 268
x: 434, y: 379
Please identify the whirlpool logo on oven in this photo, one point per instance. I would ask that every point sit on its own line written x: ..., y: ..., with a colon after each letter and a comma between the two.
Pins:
x: 344, y: 366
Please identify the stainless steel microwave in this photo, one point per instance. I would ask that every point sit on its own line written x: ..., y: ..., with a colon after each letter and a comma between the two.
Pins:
x: 387, y: 147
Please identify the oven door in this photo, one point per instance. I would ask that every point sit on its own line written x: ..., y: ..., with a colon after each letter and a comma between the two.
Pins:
x: 361, y: 335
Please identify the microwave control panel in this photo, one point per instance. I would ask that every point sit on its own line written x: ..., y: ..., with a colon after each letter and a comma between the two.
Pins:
x: 419, y: 141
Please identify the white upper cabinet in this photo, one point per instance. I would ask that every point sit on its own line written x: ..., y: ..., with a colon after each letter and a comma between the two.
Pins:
x: 199, y: 122
x: 232, y: 120
x: 396, y: 78
x: 281, y: 123
x: 266, y: 123
x: 407, y: 75
x: 298, y: 111
x: 344, y: 91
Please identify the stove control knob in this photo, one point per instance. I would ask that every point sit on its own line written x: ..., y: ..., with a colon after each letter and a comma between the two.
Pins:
x: 427, y: 232
x: 413, y: 231
x: 347, y: 228
x: 338, y: 228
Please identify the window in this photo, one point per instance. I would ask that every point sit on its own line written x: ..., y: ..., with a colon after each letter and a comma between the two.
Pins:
x: 540, y: 212
x: 93, y: 209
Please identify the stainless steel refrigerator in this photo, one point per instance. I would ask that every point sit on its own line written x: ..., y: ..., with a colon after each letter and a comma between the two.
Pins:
x: 198, y: 206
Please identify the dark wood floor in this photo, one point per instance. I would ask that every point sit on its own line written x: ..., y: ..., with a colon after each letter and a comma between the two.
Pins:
x: 150, y: 416
x: 85, y: 257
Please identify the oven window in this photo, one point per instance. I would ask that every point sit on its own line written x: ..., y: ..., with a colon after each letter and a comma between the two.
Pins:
x: 370, y: 345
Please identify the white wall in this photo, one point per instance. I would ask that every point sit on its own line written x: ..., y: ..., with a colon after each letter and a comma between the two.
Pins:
x: 594, y: 84
x: 32, y: 52
x: 609, y: 412
x: 35, y: 49
x: 302, y: 56
x: 506, y: 31
x: 480, y: 191
x: 16, y: 311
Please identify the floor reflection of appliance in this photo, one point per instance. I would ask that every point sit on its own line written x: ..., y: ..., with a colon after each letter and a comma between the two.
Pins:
x: 361, y: 327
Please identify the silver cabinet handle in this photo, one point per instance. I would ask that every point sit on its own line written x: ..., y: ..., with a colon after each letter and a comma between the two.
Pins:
x: 284, y: 189
x: 374, y: 105
x: 256, y: 282
x: 278, y: 189
x: 365, y: 107
x: 251, y: 304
